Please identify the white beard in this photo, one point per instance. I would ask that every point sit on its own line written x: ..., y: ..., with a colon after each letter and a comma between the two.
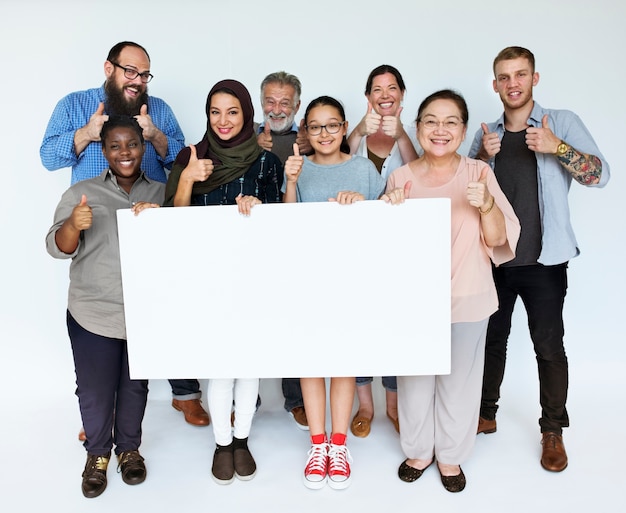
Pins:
x: 279, y: 124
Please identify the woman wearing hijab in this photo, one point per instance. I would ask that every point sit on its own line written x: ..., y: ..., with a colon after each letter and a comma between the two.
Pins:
x: 228, y: 167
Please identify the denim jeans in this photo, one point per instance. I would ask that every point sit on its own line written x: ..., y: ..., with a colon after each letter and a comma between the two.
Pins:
x: 292, y: 393
x: 542, y: 289
x: 389, y: 382
x: 185, y: 389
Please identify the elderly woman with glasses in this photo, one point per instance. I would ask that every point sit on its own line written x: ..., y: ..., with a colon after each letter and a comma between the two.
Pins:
x: 438, y: 414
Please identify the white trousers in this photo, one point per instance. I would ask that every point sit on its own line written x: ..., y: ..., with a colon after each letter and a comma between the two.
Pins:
x: 221, y: 394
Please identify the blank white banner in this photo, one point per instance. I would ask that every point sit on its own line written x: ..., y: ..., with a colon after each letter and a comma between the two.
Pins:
x: 294, y: 290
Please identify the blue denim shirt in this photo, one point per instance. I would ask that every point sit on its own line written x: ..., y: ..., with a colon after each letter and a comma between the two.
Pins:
x: 558, y: 243
x: 73, y: 112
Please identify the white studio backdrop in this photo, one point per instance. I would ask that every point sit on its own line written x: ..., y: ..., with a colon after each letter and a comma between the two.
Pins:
x: 52, y: 48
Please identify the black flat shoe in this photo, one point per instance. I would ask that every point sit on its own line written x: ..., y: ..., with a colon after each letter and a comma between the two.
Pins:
x: 409, y: 474
x: 95, y: 475
x: 453, y: 484
x: 132, y: 467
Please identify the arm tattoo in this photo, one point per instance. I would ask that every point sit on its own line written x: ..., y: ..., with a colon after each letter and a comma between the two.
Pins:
x: 585, y: 169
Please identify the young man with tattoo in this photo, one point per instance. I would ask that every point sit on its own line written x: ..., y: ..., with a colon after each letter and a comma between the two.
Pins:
x: 535, y: 153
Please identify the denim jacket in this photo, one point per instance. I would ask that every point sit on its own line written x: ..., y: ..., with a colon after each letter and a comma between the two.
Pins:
x: 558, y: 242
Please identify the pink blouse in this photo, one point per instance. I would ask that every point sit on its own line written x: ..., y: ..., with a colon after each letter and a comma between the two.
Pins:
x: 474, y: 296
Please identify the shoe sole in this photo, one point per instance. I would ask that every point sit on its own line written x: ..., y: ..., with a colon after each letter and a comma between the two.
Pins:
x: 314, y: 485
x: 135, y: 481
x: 223, y: 481
x: 553, y: 469
x: 339, y: 485
x: 486, y: 431
x: 245, y: 478
x: 92, y: 494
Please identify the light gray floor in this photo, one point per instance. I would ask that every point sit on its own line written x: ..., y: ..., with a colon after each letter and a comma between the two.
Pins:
x: 43, y: 461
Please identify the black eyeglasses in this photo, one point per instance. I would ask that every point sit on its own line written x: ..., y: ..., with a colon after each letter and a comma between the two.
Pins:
x: 132, y: 74
x: 331, y: 128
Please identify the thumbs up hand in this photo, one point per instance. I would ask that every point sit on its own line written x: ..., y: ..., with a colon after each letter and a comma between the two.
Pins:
x: 392, y: 125
x: 82, y: 216
x: 96, y: 120
x: 370, y: 122
x: 542, y: 140
x: 197, y: 170
x: 265, y: 137
x: 490, y: 144
x: 478, y: 194
x: 145, y: 122
x: 293, y: 165
x: 302, y: 139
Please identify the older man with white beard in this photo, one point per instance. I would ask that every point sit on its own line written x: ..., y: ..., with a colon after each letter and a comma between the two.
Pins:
x: 280, y: 99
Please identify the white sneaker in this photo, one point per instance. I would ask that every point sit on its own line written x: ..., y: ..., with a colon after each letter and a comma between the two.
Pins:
x: 316, y: 469
x: 339, y: 460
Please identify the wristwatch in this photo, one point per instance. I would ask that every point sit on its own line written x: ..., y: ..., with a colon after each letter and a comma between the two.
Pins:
x: 562, y: 149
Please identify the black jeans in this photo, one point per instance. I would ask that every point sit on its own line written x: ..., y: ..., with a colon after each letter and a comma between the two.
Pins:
x: 542, y: 289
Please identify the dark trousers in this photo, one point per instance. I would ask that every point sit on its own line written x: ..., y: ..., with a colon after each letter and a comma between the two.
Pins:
x: 542, y: 289
x: 292, y: 393
x: 111, y: 404
x: 185, y: 387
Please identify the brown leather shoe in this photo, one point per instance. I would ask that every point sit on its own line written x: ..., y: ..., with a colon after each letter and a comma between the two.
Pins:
x: 193, y: 411
x: 360, y: 426
x: 486, y: 426
x: 299, y: 415
x: 553, y: 455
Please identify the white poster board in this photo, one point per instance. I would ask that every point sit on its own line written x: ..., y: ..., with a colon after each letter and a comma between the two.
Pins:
x: 293, y: 290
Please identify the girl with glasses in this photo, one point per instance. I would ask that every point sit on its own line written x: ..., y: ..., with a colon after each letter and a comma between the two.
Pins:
x: 330, y: 173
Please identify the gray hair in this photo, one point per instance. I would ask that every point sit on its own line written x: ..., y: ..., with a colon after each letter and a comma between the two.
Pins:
x: 283, y: 78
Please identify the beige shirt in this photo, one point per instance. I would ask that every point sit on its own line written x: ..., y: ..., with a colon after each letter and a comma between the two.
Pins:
x: 95, y: 293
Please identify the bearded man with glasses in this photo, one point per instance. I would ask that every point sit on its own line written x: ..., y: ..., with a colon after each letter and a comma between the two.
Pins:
x: 73, y: 133
x: 72, y: 139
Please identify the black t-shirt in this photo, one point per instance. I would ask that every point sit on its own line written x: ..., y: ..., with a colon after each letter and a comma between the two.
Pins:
x: 516, y: 172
